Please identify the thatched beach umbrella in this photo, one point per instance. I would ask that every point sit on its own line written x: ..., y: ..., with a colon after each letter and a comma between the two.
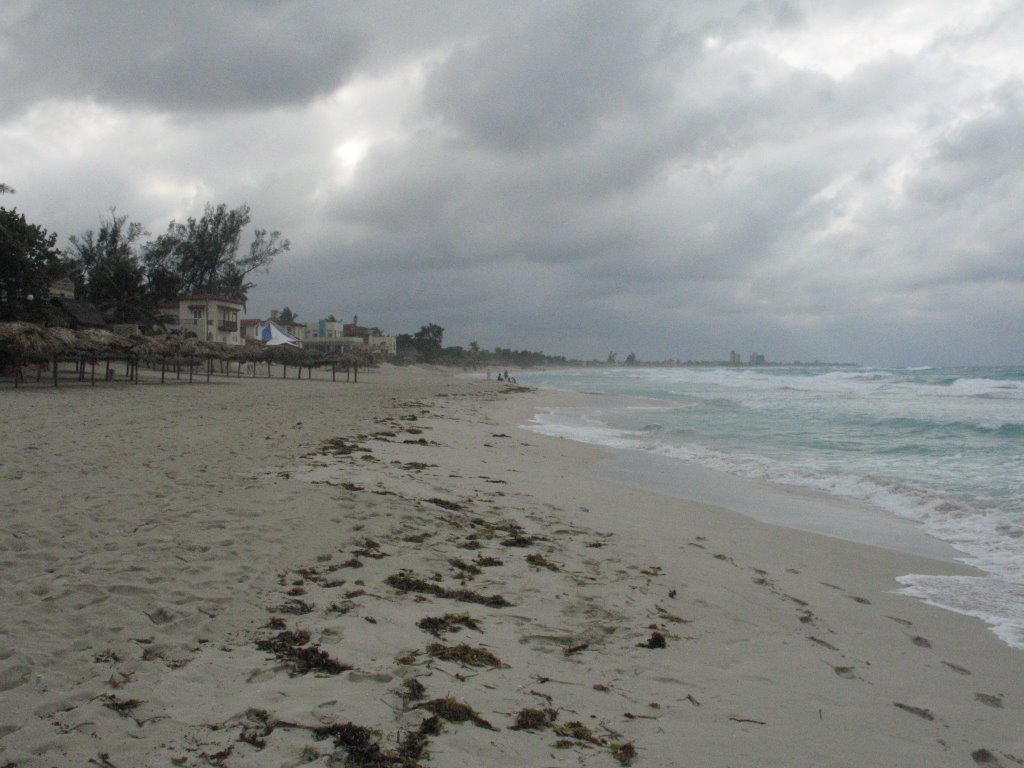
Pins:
x: 252, y: 351
x: 104, y: 345
x: 27, y: 341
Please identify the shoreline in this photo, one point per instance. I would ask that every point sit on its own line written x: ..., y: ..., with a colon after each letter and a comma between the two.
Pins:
x: 158, y: 535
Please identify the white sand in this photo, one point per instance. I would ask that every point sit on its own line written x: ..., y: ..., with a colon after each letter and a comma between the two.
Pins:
x: 152, y: 532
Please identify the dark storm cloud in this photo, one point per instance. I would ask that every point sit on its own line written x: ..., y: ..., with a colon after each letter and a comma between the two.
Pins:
x: 175, y: 55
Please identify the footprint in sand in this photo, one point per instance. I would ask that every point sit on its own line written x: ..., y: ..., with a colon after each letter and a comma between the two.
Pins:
x: 847, y: 673
x: 921, y: 642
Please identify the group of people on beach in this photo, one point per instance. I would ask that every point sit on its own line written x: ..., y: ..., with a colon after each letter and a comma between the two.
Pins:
x: 503, y: 377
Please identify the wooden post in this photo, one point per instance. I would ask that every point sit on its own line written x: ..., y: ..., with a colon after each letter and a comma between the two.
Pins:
x: 17, y: 370
x: 209, y: 369
x: 55, y: 370
x: 355, y: 374
x: 333, y: 374
x: 92, y: 373
x: 163, y: 368
x: 191, y: 365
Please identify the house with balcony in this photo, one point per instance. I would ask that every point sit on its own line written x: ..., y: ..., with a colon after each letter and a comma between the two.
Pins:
x: 207, y: 316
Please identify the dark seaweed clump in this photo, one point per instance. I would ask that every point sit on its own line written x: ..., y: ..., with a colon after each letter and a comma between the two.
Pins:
x: 291, y: 647
x: 406, y: 582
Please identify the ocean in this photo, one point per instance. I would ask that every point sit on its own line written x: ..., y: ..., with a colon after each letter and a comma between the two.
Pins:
x: 942, y: 448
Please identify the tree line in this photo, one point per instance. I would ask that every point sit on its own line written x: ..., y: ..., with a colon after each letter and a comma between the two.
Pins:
x: 426, y: 345
x: 123, y: 273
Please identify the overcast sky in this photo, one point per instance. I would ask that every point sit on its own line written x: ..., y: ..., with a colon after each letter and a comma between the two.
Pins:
x: 809, y: 179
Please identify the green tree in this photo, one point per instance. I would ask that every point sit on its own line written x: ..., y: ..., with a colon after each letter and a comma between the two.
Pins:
x: 287, y: 316
x: 29, y: 262
x: 111, y: 272
x: 427, y: 341
x: 6, y: 189
x: 201, y: 255
x: 631, y: 358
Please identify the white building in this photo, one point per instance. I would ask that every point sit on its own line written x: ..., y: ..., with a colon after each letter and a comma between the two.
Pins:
x: 209, y: 316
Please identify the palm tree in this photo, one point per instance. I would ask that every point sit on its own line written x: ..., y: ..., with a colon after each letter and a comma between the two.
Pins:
x: 5, y: 189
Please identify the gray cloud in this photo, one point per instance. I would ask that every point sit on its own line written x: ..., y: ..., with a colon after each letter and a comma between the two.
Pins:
x: 673, y: 179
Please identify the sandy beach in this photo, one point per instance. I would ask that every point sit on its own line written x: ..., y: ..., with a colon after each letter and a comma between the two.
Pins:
x: 279, y: 573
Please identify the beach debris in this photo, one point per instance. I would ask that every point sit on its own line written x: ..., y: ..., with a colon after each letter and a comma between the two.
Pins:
x: 338, y: 446
x: 538, y: 560
x: 466, y: 654
x: 925, y: 714
x: 989, y: 700
x: 822, y: 643
x: 921, y: 642
x: 485, y: 561
x: 412, y: 690
x: 291, y: 647
x: 450, y: 622
x: 847, y: 673
x: 574, y: 649
x: 371, y: 549
x: 984, y: 757
x: 530, y: 719
x: 957, y: 668
x: 747, y: 720
x: 466, y: 570
x: 519, y: 541
x: 625, y: 753
x: 295, y: 607
x: 454, y: 711
x: 406, y: 582
x: 256, y: 728
x: 123, y: 707
x: 666, y: 616
x: 576, y: 730
x: 656, y: 640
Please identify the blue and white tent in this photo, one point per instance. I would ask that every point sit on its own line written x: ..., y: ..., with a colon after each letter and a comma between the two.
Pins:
x: 272, y: 334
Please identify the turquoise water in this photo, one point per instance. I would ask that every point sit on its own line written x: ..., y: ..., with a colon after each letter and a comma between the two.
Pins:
x: 941, y: 447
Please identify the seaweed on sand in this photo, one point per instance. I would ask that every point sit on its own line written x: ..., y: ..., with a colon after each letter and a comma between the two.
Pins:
x: 412, y: 690
x: 534, y: 719
x: 362, y: 745
x: 576, y: 730
x: 406, y: 582
x: 656, y: 640
x: 519, y: 540
x: 466, y: 654
x: 455, y: 711
x: 466, y: 570
x: 291, y: 647
x: 450, y: 622
x: 538, y: 560
x: 123, y: 707
x: 624, y: 753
